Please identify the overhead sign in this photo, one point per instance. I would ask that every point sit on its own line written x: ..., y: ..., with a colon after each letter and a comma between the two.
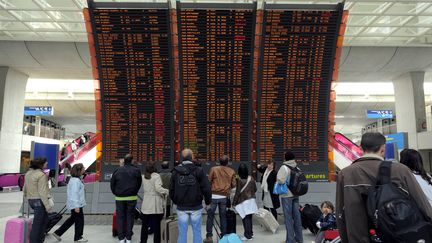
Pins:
x: 400, y: 138
x: 38, y: 111
x: 379, y: 114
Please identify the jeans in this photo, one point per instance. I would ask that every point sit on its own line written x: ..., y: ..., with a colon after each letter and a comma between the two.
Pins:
x: 247, y: 225
x: 273, y: 211
x: 125, y: 218
x: 183, y: 221
x: 221, y: 203
x: 156, y: 220
x: 40, y: 221
x: 292, y: 219
x: 78, y: 220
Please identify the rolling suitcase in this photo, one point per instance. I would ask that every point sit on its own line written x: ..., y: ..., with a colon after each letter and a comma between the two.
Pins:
x: 231, y: 221
x: 18, y: 229
x: 114, y: 225
x: 169, y: 228
x: 266, y: 219
x: 54, y: 218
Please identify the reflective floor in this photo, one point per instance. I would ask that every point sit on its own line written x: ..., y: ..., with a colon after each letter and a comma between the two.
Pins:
x: 10, y: 203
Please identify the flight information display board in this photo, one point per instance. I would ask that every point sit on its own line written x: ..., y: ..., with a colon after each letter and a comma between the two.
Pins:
x: 133, y: 59
x: 298, y: 51
x: 215, y: 45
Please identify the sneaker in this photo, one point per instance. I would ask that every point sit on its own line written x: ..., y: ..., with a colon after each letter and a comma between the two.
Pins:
x: 128, y: 241
x: 121, y: 241
x: 245, y: 239
x: 58, y: 238
x: 82, y: 240
x: 209, y: 238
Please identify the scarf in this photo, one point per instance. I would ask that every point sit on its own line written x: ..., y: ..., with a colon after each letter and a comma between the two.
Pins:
x: 264, y: 185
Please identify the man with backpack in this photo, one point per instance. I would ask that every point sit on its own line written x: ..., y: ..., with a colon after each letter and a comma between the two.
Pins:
x: 290, y: 201
x: 189, y: 186
x: 380, y: 199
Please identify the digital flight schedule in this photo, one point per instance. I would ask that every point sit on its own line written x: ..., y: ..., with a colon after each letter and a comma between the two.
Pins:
x: 298, y: 52
x: 133, y: 59
x: 216, y: 47
x: 215, y: 78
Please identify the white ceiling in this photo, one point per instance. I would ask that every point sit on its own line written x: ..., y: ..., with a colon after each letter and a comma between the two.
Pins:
x: 371, y: 23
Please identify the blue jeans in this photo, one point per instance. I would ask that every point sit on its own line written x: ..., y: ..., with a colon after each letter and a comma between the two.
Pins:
x: 221, y: 203
x: 40, y: 221
x: 292, y: 220
x: 183, y: 222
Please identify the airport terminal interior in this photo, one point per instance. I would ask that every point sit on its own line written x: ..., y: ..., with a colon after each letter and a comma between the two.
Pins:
x: 89, y: 81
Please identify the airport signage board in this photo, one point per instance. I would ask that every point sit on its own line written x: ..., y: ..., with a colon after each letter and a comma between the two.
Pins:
x: 38, y: 111
x: 379, y: 114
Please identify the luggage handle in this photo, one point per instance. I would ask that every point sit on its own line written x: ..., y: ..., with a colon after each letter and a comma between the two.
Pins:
x: 23, y: 215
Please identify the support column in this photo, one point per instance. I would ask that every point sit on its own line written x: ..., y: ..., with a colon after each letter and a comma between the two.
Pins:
x: 410, y: 105
x: 12, y: 94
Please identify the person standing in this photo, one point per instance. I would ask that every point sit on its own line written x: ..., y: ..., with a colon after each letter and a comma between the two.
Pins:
x: 125, y: 184
x: 244, y: 200
x: 75, y: 203
x: 356, y: 180
x: 153, y: 202
x: 222, y: 179
x: 413, y: 160
x: 290, y: 203
x: 270, y: 200
x: 189, y: 186
x: 165, y: 175
x: 37, y: 193
x: 67, y: 172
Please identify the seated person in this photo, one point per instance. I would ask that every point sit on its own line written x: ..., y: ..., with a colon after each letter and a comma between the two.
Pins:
x: 327, y: 221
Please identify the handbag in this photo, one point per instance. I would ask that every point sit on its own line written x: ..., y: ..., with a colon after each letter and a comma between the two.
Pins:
x: 281, y: 188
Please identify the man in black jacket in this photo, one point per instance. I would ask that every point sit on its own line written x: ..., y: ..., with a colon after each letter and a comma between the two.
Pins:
x: 189, y: 185
x: 125, y: 184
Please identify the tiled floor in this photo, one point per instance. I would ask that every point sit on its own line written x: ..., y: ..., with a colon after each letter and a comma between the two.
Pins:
x: 10, y: 203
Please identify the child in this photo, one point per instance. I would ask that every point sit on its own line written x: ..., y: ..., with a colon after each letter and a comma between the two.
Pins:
x: 327, y: 221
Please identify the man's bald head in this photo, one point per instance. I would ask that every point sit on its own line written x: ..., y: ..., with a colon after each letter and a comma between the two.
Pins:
x: 187, y: 155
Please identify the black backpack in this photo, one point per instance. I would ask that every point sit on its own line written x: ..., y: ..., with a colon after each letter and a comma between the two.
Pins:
x: 298, y: 185
x: 393, y: 213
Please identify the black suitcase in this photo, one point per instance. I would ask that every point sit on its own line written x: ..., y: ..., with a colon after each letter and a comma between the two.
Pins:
x: 310, y: 214
x: 231, y: 221
x: 54, y: 218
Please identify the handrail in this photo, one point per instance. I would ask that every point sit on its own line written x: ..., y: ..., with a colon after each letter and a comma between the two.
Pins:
x: 80, y: 152
x: 346, y: 147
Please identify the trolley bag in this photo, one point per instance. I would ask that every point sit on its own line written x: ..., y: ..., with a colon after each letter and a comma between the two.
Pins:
x: 54, y: 218
x: 310, y: 214
x: 18, y: 229
x: 230, y: 221
x: 114, y: 225
x: 266, y: 219
x: 169, y: 228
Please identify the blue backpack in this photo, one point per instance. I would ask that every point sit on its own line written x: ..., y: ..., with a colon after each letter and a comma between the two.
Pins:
x: 230, y: 238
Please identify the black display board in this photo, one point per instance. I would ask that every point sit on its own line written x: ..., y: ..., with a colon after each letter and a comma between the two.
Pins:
x: 297, y: 61
x: 133, y: 58
x: 216, y: 46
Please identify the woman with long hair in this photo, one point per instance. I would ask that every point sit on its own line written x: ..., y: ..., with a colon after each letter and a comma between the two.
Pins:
x: 154, y: 200
x: 413, y: 160
x: 37, y: 193
x: 75, y: 203
x: 244, y: 200
x: 270, y: 200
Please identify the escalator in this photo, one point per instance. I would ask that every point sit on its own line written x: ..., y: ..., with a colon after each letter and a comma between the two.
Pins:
x: 345, y: 151
x: 86, y: 154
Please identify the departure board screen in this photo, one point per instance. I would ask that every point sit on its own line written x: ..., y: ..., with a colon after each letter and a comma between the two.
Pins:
x: 298, y: 51
x: 215, y: 71
x: 133, y: 59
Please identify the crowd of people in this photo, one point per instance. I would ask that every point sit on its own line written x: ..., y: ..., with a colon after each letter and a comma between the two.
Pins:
x: 192, y: 191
